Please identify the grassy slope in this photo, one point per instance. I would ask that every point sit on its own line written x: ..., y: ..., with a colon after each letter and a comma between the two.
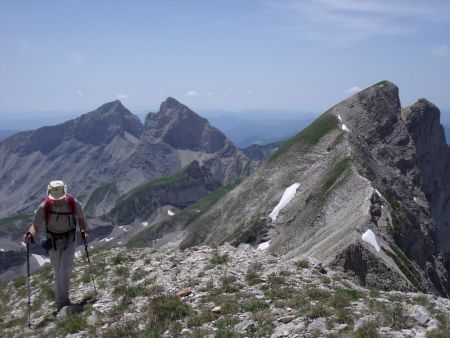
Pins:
x: 308, y: 137
x: 98, y: 195
x: 186, y: 216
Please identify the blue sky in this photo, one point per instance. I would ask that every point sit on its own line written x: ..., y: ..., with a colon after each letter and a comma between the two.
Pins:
x: 303, y: 55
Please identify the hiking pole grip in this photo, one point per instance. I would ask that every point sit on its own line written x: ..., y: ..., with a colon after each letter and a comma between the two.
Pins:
x: 28, y: 285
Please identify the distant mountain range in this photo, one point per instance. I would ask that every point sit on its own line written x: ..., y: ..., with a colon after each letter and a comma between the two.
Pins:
x: 244, y: 131
x: 109, y: 145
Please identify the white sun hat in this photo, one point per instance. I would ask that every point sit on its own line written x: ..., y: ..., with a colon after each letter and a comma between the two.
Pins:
x: 56, y: 190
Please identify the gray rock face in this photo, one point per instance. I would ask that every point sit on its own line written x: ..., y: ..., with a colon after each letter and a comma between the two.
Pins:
x: 365, y: 164
x: 110, y: 147
x: 188, y: 187
x: 433, y: 160
x: 178, y: 126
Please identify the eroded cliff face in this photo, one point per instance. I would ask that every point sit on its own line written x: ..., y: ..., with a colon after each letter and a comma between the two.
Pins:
x: 433, y: 159
x: 363, y: 165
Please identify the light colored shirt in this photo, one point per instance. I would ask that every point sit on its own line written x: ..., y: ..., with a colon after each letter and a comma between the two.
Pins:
x: 58, y: 223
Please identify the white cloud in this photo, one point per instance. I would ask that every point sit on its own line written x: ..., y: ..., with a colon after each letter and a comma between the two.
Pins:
x: 442, y: 50
x: 79, y: 92
x: 191, y: 93
x: 122, y: 96
x: 210, y: 93
x: 346, y: 21
x: 353, y: 90
x: 161, y: 91
x: 250, y: 92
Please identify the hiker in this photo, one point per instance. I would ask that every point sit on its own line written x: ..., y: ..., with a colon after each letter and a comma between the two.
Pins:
x: 58, y: 215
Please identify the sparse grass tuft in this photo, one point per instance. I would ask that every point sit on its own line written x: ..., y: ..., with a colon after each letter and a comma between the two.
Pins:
x: 367, y: 330
x: 302, y: 264
x: 252, y: 277
x: 219, y: 259
x: 255, y: 305
x: 71, y: 324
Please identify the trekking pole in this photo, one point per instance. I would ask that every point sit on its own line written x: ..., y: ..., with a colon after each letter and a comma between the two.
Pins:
x: 28, y: 282
x: 83, y: 237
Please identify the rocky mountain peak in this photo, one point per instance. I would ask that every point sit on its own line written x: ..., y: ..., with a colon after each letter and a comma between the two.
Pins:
x: 115, y: 106
x: 180, y: 127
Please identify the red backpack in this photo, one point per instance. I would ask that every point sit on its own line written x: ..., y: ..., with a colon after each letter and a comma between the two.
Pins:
x: 48, y: 209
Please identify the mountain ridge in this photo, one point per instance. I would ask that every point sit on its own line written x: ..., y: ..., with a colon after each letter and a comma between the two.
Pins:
x: 360, y: 166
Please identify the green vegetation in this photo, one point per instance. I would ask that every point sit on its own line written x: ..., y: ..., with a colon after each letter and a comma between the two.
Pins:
x: 302, y: 264
x: 255, y: 305
x: 217, y: 259
x: 334, y: 174
x: 252, y: 277
x: 308, y: 137
x: 405, y: 266
x: 186, y: 216
x: 20, y: 282
x: 23, y: 217
x: 395, y: 214
x: 126, y: 200
x: 71, y: 324
x: 388, y: 314
x: 98, y: 195
x: 367, y: 330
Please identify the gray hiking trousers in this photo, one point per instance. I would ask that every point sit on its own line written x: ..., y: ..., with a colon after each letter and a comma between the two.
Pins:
x: 62, y: 262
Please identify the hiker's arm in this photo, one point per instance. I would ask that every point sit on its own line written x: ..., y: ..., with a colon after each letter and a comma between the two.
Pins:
x: 34, y: 227
x: 83, y: 226
x: 81, y: 220
x: 31, y: 234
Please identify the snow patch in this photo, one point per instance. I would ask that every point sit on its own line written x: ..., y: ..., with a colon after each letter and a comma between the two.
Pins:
x: 378, y: 193
x: 106, y: 239
x: 344, y: 127
x: 145, y: 224
x: 263, y: 246
x: 41, y: 260
x: 119, y: 243
x: 288, y: 194
x: 78, y: 254
x: 370, y: 238
x: 123, y: 228
x: 2, y: 250
x: 23, y: 243
x: 339, y: 118
x: 415, y: 199
x: 170, y: 212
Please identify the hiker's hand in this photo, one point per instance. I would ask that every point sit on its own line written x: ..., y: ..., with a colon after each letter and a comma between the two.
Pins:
x: 28, y: 238
x: 84, y: 235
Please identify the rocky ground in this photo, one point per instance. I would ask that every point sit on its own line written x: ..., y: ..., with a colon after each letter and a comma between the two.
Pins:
x: 216, y: 292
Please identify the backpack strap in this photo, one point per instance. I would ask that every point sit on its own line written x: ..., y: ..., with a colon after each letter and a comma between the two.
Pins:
x: 72, y: 208
x: 71, y: 205
x: 47, y: 209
